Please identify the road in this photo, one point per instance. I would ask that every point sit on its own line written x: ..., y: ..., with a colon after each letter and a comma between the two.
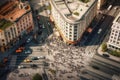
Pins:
x: 93, y: 41
x: 105, y: 25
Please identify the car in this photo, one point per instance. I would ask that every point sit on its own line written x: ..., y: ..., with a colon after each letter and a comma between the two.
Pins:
x: 29, y: 39
x: 106, y: 55
x: 99, y: 31
x: 33, y: 66
x: 43, y: 26
x: 27, y: 52
x: 34, y: 58
x: 49, y: 23
x: 18, y: 51
x: 27, y: 60
x: 95, y: 67
x: 41, y: 57
x: 21, y: 66
x: 5, y: 60
x: 21, y: 48
x: 45, y: 63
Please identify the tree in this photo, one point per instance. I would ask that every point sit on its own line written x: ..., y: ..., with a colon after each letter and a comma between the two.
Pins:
x: 104, y: 47
x: 85, y: 1
x: 37, y: 77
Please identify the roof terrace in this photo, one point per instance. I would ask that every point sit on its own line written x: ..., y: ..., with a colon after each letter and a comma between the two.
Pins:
x: 73, y: 9
x: 4, y: 24
x: 14, y: 10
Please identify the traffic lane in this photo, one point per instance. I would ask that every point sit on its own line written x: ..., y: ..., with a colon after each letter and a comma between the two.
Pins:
x: 95, y: 30
x: 107, y: 61
x: 44, y: 76
x: 106, y: 65
x: 96, y: 73
x: 104, y: 24
x: 104, y: 68
x: 107, y: 58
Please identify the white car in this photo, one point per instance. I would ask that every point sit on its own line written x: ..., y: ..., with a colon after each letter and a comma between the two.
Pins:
x: 29, y: 39
x: 41, y: 57
x: 43, y: 26
x: 21, y: 66
x: 99, y: 31
x: 27, y: 52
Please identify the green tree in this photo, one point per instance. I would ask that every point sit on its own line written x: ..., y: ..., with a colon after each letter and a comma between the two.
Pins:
x: 104, y: 47
x: 85, y: 1
x: 37, y: 77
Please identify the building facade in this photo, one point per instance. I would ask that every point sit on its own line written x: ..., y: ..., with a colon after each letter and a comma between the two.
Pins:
x: 114, y: 39
x: 72, y: 17
x: 15, y: 22
x: 101, y: 3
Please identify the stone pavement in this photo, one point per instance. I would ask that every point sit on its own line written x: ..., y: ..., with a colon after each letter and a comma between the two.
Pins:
x: 100, y: 52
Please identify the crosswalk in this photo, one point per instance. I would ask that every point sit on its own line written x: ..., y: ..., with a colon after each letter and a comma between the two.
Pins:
x: 13, y: 61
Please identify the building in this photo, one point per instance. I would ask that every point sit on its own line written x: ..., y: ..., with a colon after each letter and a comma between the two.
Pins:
x: 114, y: 39
x: 15, y: 21
x: 101, y: 3
x: 72, y: 17
x: 116, y: 77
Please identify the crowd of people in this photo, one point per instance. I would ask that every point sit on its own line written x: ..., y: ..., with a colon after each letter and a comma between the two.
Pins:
x: 66, y: 60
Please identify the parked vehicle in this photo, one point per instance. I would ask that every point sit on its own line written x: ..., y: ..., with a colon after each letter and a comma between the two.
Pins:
x: 106, y: 55
x: 33, y: 66
x: 95, y: 67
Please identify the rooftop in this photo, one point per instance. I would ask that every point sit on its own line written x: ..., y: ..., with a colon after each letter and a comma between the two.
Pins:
x: 73, y: 9
x: 117, y: 19
x: 4, y: 24
x: 13, y: 10
x: 116, y: 22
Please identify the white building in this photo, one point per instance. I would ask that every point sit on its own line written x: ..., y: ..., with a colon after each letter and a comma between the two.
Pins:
x: 114, y: 39
x: 72, y: 17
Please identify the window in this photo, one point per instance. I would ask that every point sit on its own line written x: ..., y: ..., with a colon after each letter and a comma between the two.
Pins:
x: 110, y: 40
x: 18, y: 31
x: 113, y: 41
x: 3, y: 44
x: 70, y: 38
x: 70, y: 29
x: 117, y: 42
x: 115, y: 34
x: 75, y: 39
x: 75, y: 26
x: 111, y: 36
x: 3, y: 40
x: 70, y: 35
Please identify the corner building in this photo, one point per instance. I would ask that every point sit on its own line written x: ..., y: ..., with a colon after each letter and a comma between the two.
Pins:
x: 72, y: 17
x: 15, y: 22
x: 114, y: 39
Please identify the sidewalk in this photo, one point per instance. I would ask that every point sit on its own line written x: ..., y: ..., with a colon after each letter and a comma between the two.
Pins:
x: 100, y: 52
